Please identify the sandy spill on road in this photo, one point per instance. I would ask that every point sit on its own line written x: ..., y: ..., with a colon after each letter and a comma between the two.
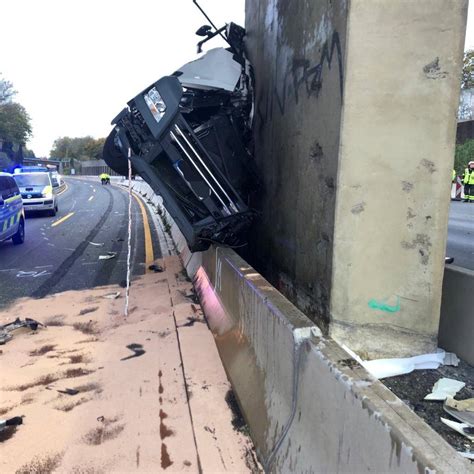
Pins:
x: 129, y: 383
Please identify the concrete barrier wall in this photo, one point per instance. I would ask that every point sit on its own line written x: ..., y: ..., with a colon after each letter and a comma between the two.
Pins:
x: 456, y: 328
x: 309, y: 406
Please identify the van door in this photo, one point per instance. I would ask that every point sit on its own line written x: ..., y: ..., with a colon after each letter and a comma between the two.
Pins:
x: 4, y: 212
x: 10, y: 207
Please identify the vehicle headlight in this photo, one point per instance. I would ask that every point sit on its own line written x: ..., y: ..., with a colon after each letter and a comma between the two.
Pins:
x: 155, y: 103
x: 47, y: 192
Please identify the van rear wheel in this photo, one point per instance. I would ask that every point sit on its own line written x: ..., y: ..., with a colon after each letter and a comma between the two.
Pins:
x: 19, y: 237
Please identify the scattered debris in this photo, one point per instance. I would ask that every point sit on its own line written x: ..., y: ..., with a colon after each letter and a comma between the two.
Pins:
x: 156, y: 268
x: 381, y: 368
x: 444, y: 388
x: 96, y: 244
x: 466, y: 454
x: 68, y: 391
x: 15, y: 421
x: 462, y: 428
x: 112, y: 296
x: 451, y: 359
x: 137, y: 350
x: 5, y: 330
x: 108, y: 256
x: 462, y: 410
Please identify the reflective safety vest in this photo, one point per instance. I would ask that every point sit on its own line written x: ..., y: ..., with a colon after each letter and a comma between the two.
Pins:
x: 468, y: 177
x: 454, y: 175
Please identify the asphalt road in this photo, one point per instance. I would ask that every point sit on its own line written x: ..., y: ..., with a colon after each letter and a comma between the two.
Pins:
x: 58, y: 254
x: 461, y: 234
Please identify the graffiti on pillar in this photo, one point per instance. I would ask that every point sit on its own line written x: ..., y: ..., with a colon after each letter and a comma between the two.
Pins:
x: 384, y: 306
x: 301, y: 76
x: 311, y: 76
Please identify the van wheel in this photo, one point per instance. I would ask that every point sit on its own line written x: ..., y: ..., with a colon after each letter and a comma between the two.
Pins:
x: 19, y: 237
x: 53, y: 212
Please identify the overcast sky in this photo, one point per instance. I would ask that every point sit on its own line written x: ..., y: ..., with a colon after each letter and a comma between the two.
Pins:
x: 76, y: 64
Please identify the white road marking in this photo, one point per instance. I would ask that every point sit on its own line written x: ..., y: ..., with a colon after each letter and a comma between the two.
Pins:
x: 44, y: 266
x: 33, y: 274
x: 9, y: 270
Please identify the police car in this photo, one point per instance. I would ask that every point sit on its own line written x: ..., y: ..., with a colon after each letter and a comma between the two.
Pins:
x: 37, y: 192
x: 12, y: 215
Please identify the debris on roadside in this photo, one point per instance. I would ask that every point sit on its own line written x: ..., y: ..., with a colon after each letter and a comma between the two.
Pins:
x: 6, y: 329
x: 15, y: 421
x: 382, y: 368
x: 108, y: 256
x: 97, y: 244
x: 156, y: 268
x: 467, y: 454
x: 65, y: 391
x: 137, y: 350
x: 462, y: 410
x: 444, y: 388
x: 112, y: 296
x: 462, y: 428
x: 450, y: 358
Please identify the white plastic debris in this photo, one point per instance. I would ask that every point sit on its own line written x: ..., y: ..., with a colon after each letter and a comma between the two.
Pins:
x: 112, y: 296
x: 450, y: 358
x: 459, y: 427
x: 97, y: 244
x: 108, y: 256
x: 462, y: 410
x: 466, y: 454
x: 382, y: 368
x: 444, y: 388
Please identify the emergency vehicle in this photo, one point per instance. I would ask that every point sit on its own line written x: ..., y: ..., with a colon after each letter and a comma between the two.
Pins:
x: 12, y: 214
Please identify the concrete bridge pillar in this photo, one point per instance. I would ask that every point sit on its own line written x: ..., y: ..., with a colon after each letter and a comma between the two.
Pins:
x: 355, y: 125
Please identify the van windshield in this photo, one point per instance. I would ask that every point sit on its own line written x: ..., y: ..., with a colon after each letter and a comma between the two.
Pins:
x: 34, y: 179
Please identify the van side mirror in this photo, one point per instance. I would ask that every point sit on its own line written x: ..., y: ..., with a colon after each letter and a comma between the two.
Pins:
x: 204, y: 30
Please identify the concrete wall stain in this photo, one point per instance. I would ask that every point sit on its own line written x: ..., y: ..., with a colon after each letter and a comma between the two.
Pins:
x: 421, y: 242
x: 358, y: 208
x: 433, y: 70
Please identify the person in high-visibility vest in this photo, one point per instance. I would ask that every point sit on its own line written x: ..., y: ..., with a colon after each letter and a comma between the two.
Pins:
x: 104, y: 178
x: 468, y: 181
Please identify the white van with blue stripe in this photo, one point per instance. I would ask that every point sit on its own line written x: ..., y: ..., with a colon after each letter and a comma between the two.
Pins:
x: 12, y: 215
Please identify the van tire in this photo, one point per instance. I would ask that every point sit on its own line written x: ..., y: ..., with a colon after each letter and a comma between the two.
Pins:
x: 19, y: 237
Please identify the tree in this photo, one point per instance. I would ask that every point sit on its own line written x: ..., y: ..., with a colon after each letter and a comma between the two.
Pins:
x: 15, y: 123
x: 27, y: 153
x: 78, y: 148
x: 6, y: 90
x: 468, y: 70
x: 464, y: 154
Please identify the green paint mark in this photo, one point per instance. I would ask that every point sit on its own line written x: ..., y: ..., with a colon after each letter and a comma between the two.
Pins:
x: 383, y: 306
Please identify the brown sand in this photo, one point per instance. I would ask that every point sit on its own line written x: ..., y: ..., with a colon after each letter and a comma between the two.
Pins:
x: 151, y: 386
